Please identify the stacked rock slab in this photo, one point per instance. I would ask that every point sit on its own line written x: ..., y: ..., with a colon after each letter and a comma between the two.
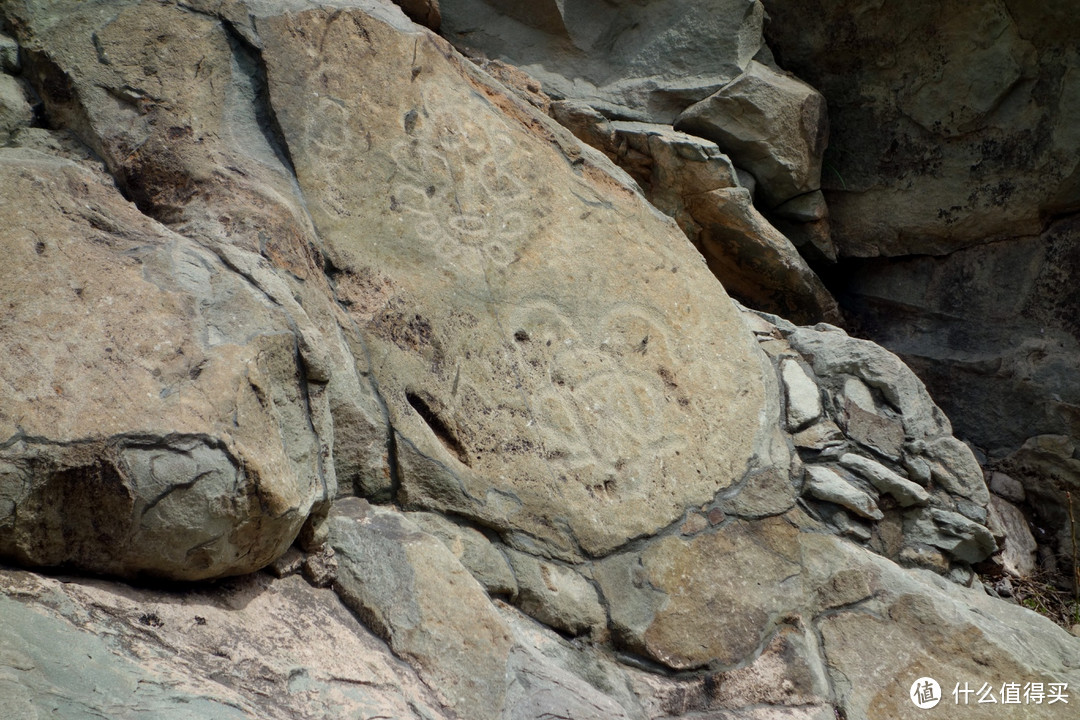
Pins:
x: 953, y: 185
x: 882, y: 466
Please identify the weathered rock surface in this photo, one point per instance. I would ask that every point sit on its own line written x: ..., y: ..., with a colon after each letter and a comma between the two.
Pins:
x: 154, y: 420
x: 636, y: 61
x: 409, y: 588
x: 954, y: 135
x: 964, y: 133
x: 992, y: 330
x: 391, y: 275
x: 689, y: 179
x: 249, y: 648
x: 564, y: 417
x: 770, y: 123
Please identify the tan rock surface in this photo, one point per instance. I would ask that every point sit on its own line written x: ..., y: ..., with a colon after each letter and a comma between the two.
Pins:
x: 580, y: 417
x: 153, y: 420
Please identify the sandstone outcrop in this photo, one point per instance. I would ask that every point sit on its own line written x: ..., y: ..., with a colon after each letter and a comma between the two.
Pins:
x: 304, y: 272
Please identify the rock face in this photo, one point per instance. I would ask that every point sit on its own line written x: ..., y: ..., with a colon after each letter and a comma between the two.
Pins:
x: 960, y: 146
x: 636, y: 61
x: 963, y: 135
x: 772, y: 124
x: 287, y: 271
x: 575, y: 421
x: 155, y: 422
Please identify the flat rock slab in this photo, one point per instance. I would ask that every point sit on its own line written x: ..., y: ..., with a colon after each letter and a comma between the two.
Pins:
x: 556, y: 359
x: 689, y: 603
x: 251, y: 647
x: 409, y: 589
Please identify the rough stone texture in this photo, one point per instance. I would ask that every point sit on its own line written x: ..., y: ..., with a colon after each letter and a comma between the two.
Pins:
x: 248, y: 648
x: 410, y: 590
x: 770, y: 123
x: 9, y: 54
x: 636, y: 61
x: 557, y: 596
x: 364, y: 229
x: 880, y: 446
x: 951, y: 532
x: 901, y: 623
x: 954, y: 135
x: 571, y: 420
x: 689, y: 179
x: 666, y: 602
x: 833, y: 353
x: 885, y: 480
x: 1049, y: 468
x: 755, y: 261
x: 175, y: 102
x: 827, y: 485
x: 803, y: 396
x: 476, y: 553
x: 15, y: 111
x: 1006, y: 487
x: 1017, y: 557
x: 965, y: 133
x: 154, y: 420
x: 992, y: 330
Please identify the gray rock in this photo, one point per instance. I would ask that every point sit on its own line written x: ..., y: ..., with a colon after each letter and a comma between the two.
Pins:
x: 754, y: 260
x: 689, y: 179
x: 803, y: 396
x: 1008, y: 523
x: 832, y: 354
x: 855, y: 391
x: 409, y: 589
x: 924, y: 160
x: 772, y: 124
x: 589, y: 126
x: 9, y: 54
x: 962, y: 538
x: 828, y: 485
x: 908, y: 622
x: 573, y: 421
x: 625, y: 58
x: 806, y: 208
x: 557, y: 595
x: 885, y: 480
x: 253, y: 647
x: 203, y: 461
x: 15, y: 110
x: 953, y: 466
x: 819, y: 436
x: 662, y: 599
x: 1006, y: 487
x: 479, y: 555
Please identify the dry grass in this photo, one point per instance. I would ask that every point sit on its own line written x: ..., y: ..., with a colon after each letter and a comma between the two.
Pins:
x: 1039, y: 593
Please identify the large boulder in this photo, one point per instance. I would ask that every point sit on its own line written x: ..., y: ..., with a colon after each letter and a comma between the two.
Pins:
x: 639, y: 61
x: 155, y: 420
x: 539, y: 381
